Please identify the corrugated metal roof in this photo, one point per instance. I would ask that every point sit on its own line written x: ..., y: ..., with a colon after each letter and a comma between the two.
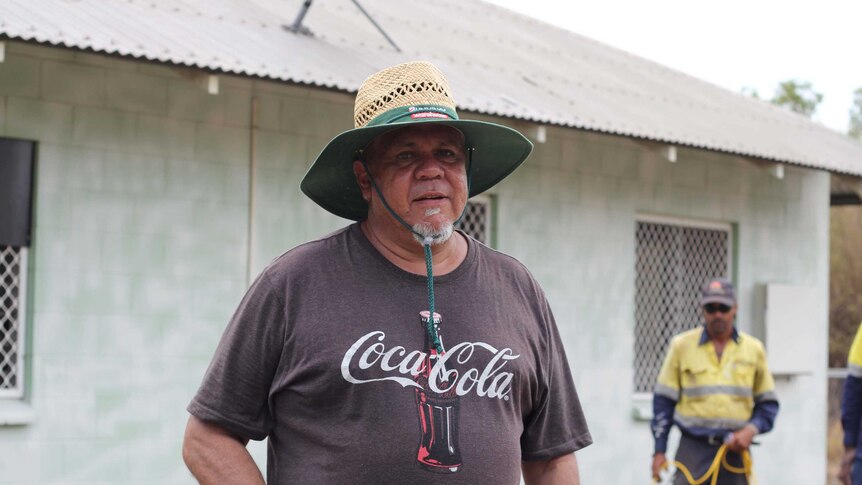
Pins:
x: 498, y: 62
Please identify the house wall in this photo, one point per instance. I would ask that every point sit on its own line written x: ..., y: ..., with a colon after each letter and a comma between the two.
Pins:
x: 140, y: 256
x: 569, y: 214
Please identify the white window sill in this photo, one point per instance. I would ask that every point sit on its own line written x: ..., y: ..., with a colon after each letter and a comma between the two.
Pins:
x: 14, y: 412
x: 642, y: 406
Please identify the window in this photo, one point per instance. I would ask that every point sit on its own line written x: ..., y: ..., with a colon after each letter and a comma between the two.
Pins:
x: 673, y: 259
x: 16, y: 182
x: 13, y: 262
x: 477, y: 219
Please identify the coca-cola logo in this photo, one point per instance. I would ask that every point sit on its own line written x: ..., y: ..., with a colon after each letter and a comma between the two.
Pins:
x: 450, y: 373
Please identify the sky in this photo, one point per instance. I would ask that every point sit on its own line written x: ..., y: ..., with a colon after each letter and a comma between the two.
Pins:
x: 735, y: 44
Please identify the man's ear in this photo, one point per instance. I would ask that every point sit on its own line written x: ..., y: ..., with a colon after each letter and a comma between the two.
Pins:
x: 362, y: 179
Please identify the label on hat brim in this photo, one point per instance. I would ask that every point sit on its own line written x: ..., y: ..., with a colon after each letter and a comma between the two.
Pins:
x: 427, y: 114
x: 401, y: 114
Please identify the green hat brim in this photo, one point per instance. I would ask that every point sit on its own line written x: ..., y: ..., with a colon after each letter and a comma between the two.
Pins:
x: 330, y: 182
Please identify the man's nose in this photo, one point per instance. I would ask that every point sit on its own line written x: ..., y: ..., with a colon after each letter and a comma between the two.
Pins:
x: 429, y: 166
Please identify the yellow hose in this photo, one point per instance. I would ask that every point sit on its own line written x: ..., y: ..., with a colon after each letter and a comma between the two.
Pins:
x: 718, y: 462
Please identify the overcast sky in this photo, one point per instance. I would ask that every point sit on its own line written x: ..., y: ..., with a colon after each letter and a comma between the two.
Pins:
x: 732, y: 43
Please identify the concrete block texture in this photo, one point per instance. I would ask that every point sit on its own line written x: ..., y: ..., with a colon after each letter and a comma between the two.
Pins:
x: 101, y: 212
x: 105, y: 128
x: 130, y: 174
x: 281, y: 151
x: 31, y: 462
x: 306, y: 116
x: 193, y: 180
x: 61, y: 336
x: 548, y: 154
x: 39, y: 120
x: 268, y: 111
x: 99, y: 293
x: 622, y: 162
x: 238, y: 106
x: 131, y: 91
x: 68, y: 168
x: 93, y: 460
x: 107, y: 61
x: 157, y: 135
x: 73, y: 83
x: 133, y: 253
x: 215, y: 143
x: 688, y: 172
x: 19, y: 76
x: 66, y: 249
x: 188, y: 100
x: 71, y: 418
x: 39, y: 51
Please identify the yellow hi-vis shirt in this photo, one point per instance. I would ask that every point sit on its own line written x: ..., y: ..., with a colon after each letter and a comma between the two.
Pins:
x: 854, y: 358
x: 851, y: 401
x: 713, y: 394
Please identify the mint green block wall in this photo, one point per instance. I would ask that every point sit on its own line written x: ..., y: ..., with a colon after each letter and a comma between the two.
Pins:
x: 138, y: 260
x: 72, y: 82
x: 19, y: 75
x: 37, y: 119
x: 132, y: 91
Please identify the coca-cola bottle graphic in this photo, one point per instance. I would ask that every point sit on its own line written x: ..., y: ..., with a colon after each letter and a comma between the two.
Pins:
x: 439, y: 413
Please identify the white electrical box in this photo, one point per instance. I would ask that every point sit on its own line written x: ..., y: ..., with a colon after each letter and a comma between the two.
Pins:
x: 793, y: 324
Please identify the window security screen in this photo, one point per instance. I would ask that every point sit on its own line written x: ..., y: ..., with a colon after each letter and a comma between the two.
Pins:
x: 672, y: 262
x: 12, y: 264
x: 477, y: 220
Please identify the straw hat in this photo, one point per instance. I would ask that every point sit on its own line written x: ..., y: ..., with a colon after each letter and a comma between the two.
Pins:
x: 415, y: 92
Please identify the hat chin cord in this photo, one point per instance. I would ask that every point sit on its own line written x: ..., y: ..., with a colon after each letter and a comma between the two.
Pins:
x: 426, y: 241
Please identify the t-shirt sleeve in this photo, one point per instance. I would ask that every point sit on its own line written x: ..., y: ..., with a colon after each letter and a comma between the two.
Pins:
x: 235, y: 390
x: 557, y: 425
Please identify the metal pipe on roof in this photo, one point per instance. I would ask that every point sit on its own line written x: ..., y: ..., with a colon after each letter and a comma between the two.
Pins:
x: 297, y: 26
x: 380, y: 29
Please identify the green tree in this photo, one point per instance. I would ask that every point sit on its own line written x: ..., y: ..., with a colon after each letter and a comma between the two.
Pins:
x: 855, y: 129
x: 797, y: 96
x: 750, y: 91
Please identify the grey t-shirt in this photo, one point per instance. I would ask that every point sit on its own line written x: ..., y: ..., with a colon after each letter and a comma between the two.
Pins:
x: 325, y: 357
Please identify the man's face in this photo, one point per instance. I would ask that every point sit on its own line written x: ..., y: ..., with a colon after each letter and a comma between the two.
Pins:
x: 421, y: 172
x: 719, y: 318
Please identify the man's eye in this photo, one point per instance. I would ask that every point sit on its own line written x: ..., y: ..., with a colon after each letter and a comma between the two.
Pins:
x: 404, y: 156
x: 447, y: 155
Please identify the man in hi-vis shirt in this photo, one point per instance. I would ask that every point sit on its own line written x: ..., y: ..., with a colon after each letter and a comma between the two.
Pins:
x: 716, y: 388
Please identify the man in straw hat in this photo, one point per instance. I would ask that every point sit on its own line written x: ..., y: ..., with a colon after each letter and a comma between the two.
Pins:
x: 395, y: 350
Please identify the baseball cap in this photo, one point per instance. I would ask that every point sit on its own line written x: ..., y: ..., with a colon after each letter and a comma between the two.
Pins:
x: 718, y: 290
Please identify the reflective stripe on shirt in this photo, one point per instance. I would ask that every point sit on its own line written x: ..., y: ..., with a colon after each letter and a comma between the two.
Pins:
x: 706, y: 390
x: 712, y: 423
x: 667, y: 391
x: 765, y: 396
